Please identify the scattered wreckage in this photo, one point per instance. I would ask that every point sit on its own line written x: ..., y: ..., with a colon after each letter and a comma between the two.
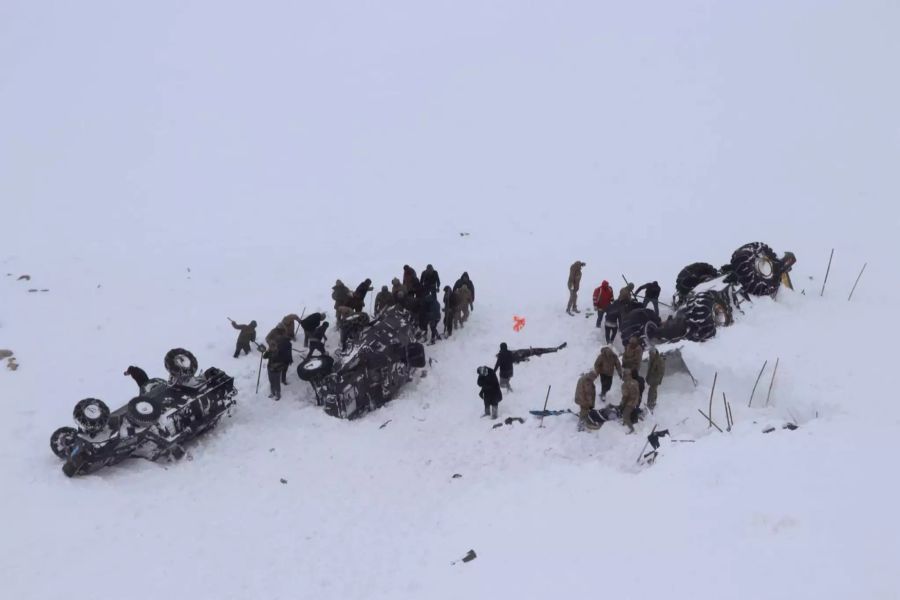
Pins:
x: 154, y: 425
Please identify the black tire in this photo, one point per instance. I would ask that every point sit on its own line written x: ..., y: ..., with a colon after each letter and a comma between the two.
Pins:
x: 143, y: 410
x: 91, y: 415
x: 757, y: 269
x: 315, y: 368
x: 415, y: 356
x: 180, y: 363
x: 690, y: 277
x: 61, y: 440
x: 704, y: 313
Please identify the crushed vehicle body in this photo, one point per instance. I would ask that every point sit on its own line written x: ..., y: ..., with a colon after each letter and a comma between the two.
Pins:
x: 153, y: 425
x: 382, y: 357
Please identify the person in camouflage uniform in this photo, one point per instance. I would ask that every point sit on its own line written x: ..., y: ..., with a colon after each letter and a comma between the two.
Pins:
x: 273, y: 336
x: 630, y: 399
x: 633, y: 355
x: 606, y: 364
x: 288, y: 323
x: 574, y: 284
x: 463, y: 304
x: 383, y: 300
x: 656, y: 370
x: 247, y: 334
x: 585, y: 393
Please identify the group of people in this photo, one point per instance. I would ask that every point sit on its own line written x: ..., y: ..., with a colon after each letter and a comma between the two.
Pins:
x: 606, y: 304
x: 418, y: 295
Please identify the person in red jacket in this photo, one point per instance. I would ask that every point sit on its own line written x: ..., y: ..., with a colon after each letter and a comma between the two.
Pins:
x: 603, y: 296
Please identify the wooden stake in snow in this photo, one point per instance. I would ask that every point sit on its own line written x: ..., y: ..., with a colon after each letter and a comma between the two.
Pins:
x: 727, y: 417
x: 827, y: 271
x: 711, y: 392
x: 758, y: 377
x: 545, y: 406
x: 857, y: 281
x: 730, y: 415
x: 771, y: 383
x: 705, y: 416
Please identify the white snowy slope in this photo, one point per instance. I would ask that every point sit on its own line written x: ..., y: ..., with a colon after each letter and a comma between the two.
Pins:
x: 163, y: 167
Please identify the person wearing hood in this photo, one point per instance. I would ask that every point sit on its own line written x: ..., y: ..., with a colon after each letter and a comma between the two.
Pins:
x: 490, y: 392
x: 466, y: 281
x: 247, y: 334
x: 633, y: 354
x: 603, y: 297
x: 397, y: 290
x: 585, y: 394
x: 504, y: 366
x: 275, y: 369
x: 606, y: 364
x: 273, y: 336
x: 651, y: 295
x: 631, y: 398
x: 383, y: 300
x: 574, y: 284
x: 340, y: 293
x: 317, y: 340
x: 431, y: 281
x: 357, y: 300
x: 656, y: 370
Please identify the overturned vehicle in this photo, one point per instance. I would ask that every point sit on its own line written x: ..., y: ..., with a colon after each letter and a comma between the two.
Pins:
x: 707, y: 297
x: 154, y: 425
x: 382, y: 356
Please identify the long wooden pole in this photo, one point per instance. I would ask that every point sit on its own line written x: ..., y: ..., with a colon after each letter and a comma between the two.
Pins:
x: 771, y: 383
x: 758, y: 377
x: 727, y: 417
x: 711, y: 392
x: 857, y: 281
x: 710, y: 420
x: 827, y: 271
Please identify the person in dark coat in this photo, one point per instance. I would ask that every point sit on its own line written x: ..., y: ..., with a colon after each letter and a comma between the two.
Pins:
x: 285, y: 357
x: 651, y: 295
x: 358, y: 300
x: 466, y: 281
x: 451, y: 309
x: 490, y: 391
x: 309, y: 324
x: 140, y: 377
x: 431, y: 281
x: 247, y: 334
x: 504, y: 366
x: 432, y: 309
x: 383, y: 300
x: 317, y: 340
x: 411, y: 281
x: 340, y: 294
x: 612, y: 321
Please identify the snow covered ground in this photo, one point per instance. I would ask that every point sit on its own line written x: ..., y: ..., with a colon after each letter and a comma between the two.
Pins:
x: 165, y: 167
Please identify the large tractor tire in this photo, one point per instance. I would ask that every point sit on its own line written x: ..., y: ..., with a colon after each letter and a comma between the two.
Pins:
x: 91, y: 415
x: 704, y: 313
x: 757, y: 269
x: 690, y: 277
x: 180, y: 363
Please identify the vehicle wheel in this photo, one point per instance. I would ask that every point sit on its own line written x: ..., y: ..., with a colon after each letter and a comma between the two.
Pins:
x: 61, y: 440
x: 180, y: 363
x: 91, y: 415
x: 415, y: 355
x: 315, y: 368
x: 704, y: 313
x: 143, y: 410
x: 690, y: 277
x: 757, y: 269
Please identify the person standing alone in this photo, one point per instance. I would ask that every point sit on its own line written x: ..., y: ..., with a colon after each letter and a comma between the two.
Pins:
x: 574, y: 284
